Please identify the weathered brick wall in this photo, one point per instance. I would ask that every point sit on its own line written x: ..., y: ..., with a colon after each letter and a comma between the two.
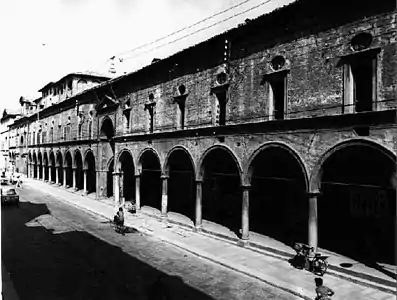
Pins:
x: 315, y: 81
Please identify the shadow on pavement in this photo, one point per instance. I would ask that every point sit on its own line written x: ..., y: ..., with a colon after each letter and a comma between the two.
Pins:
x: 76, y: 265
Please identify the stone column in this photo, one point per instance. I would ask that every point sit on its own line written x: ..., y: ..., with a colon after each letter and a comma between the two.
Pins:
x: 116, y: 188
x: 164, y: 196
x: 85, y: 181
x: 64, y: 176
x: 74, y: 178
x: 199, y: 186
x: 245, y: 213
x: 56, y: 175
x: 49, y: 174
x: 37, y: 171
x: 313, y: 228
x: 43, y: 168
x: 138, y: 192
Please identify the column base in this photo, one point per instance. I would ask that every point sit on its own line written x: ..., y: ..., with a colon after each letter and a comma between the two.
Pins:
x: 197, y: 229
x: 243, y: 242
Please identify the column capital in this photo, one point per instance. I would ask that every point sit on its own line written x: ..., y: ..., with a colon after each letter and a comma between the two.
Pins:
x: 313, y: 194
x: 117, y: 173
x: 74, y: 168
x: 164, y: 177
x: 199, y: 181
x: 137, y: 175
x: 245, y: 186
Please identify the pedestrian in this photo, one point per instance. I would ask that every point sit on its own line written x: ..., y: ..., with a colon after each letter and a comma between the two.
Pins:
x: 119, y: 220
x: 19, y: 183
x: 323, y: 292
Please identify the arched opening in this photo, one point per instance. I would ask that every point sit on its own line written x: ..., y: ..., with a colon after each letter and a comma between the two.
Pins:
x: 46, y: 166
x: 78, y: 160
x: 278, y: 196
x: 222, y: 198
x: 91, y: 173
x: 34, y: 165
x: 107, y: 129
x: 106, y: 136
x: 357, y: 208
x: 59, y: 163
x: 40, y: 165
x: 109, y: 181
x: 52, y: 166
x: 127, y: 181
x: 69, y: 170
x: 150, y: 180
x: 181, y: 185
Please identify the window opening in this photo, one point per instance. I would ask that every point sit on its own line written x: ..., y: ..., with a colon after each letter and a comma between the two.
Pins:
x: 277, y: 96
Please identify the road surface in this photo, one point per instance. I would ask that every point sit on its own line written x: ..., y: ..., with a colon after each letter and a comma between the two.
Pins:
x: 55, y: 251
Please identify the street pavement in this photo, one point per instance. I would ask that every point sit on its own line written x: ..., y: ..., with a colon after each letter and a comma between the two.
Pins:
x: 52, y: 250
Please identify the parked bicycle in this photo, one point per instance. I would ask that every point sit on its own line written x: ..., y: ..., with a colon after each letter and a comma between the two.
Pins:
x: 305, y: 258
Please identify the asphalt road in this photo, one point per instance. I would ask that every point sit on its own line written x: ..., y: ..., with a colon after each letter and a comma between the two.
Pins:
x: 55, y: 251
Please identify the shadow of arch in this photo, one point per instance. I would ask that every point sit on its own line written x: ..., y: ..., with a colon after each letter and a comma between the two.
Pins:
x: 46, y: 167
x: 278, y: 193
x: 179, y: 166
x: 221, y: 191
x: 127, y: 181
x: 78, y: 161
x: 59, y: 163
x: 109, y: 178
x: 69, y: 171
x: 89, y: 166
x: 52, y: 166
x: 151, y: 185
x: 356, y: 184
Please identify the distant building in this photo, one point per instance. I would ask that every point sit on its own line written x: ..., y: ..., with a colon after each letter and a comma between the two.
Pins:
x: 6, y: 140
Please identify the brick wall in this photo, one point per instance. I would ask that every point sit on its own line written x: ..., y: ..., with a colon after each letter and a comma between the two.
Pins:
x: 315, y: 81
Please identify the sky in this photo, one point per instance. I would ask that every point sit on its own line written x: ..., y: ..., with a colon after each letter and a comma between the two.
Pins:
x: 43, y: 40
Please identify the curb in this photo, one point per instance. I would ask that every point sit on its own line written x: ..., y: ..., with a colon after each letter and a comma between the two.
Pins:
x: 225, y: 263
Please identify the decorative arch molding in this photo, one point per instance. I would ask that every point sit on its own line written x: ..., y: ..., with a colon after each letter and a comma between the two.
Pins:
x: 117, y: 163
x: 104, y: 120
x: 315, y: 178
x: 275, y: 144
x: 200, y: 168
x: 45, y: 158
x: 51, y: 155
x: 139, y: 160
x: 34, y: 157
x: 65, y: 156
x: 57, y: 155
x: 166, y: 167
x: 84, y: 157
x: 109, y: 163
x: 74, y: 157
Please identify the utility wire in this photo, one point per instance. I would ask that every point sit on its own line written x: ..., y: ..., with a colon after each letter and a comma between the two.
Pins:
x: 201, y: 29
x: 184, y: 28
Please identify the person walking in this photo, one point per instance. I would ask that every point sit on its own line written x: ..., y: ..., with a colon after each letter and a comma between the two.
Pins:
x: 322, y: 292
x: 119, y: 221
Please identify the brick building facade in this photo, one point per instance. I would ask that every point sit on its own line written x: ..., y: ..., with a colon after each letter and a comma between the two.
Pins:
x: 281, y: 127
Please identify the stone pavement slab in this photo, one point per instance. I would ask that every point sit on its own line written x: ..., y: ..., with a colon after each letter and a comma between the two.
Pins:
x: 274, y: 271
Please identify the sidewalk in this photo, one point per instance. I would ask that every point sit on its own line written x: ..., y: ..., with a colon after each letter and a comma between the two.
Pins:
x: 265, y: 266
